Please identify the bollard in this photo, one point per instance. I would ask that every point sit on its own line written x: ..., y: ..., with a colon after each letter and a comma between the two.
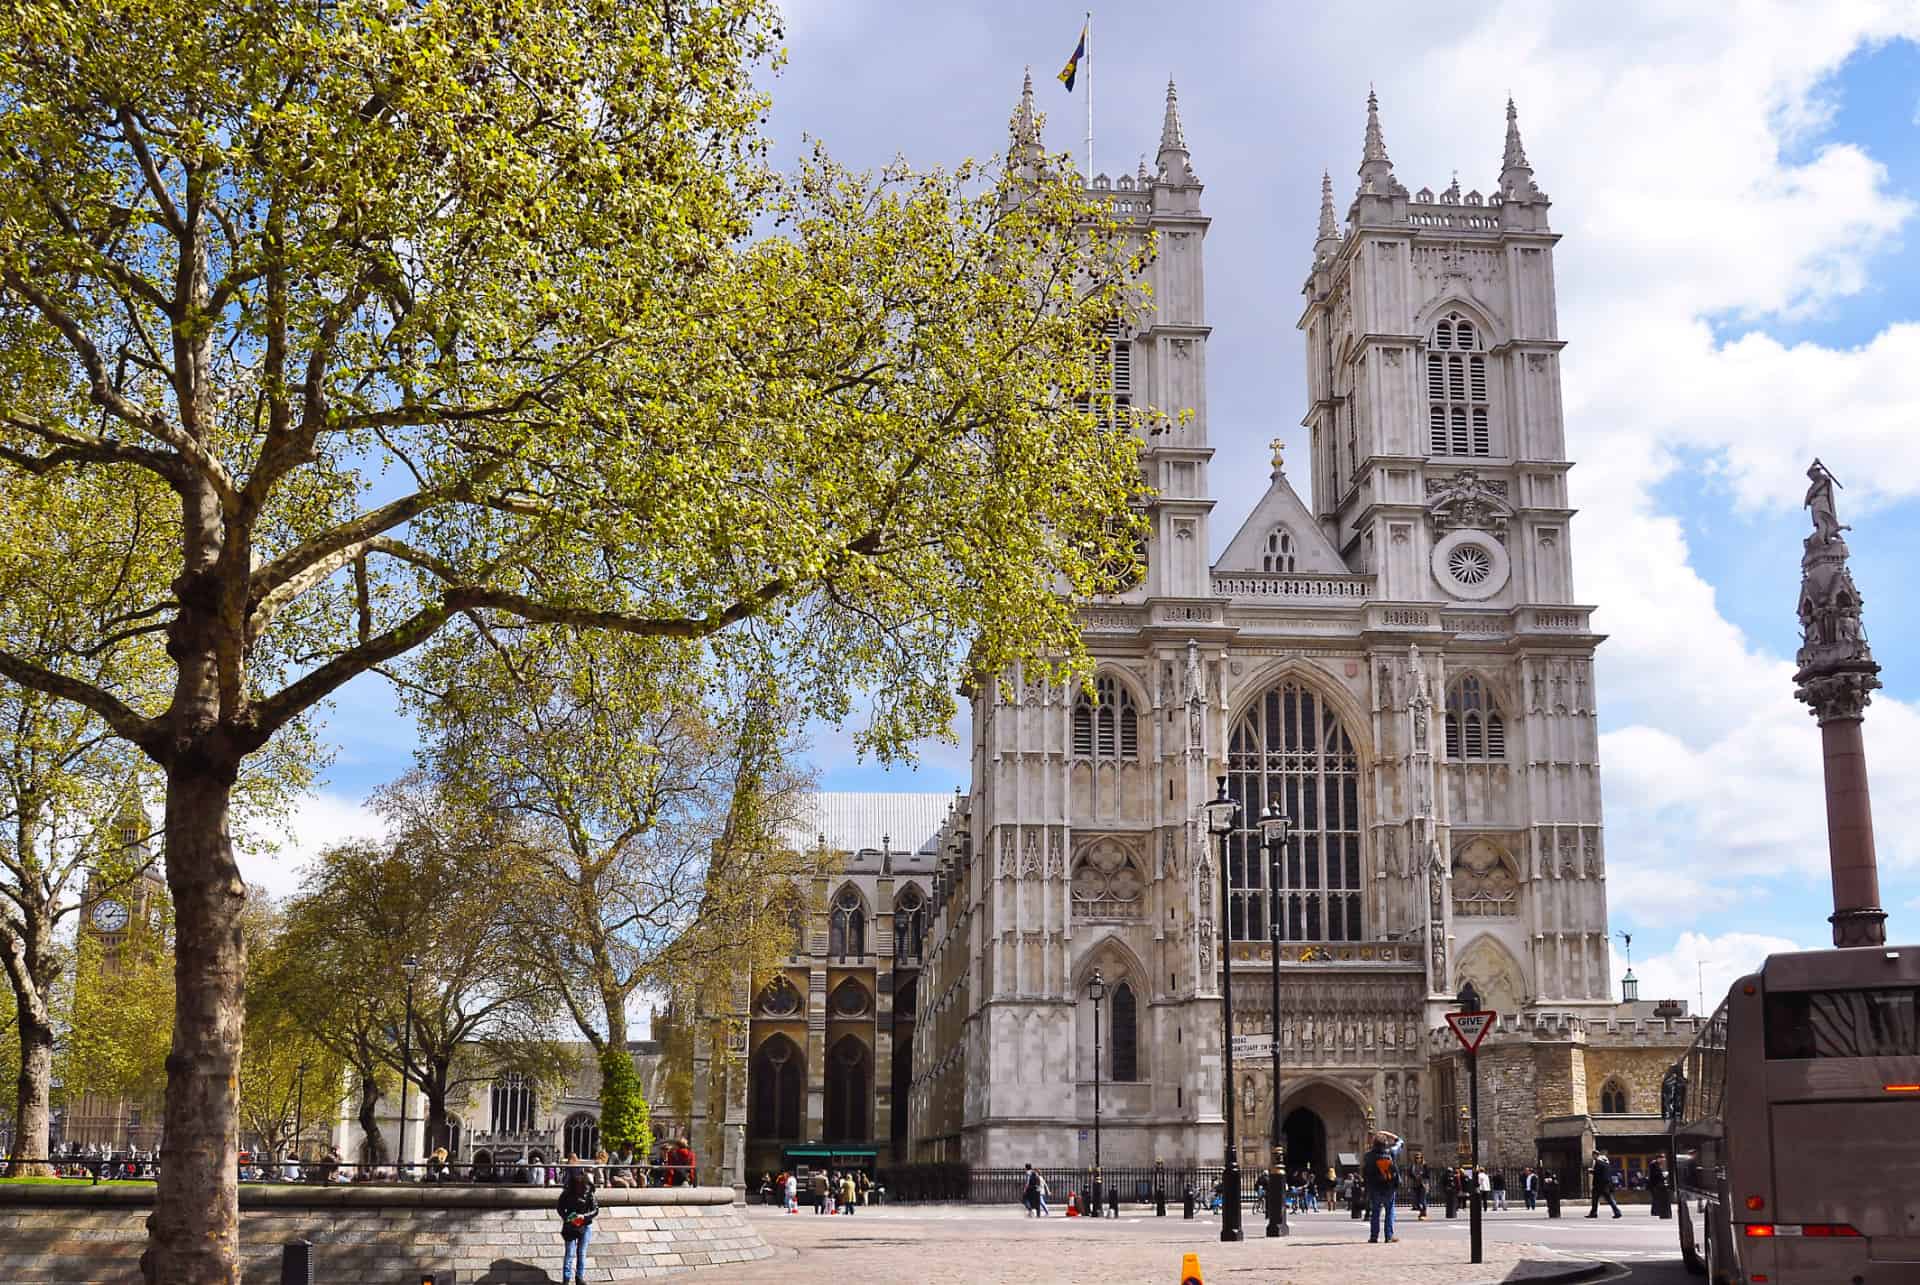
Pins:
x: 296, y: 1263
x: 1188, y: 1198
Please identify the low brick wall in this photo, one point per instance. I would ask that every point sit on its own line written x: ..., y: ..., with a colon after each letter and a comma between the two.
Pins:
x: 365, y: 1235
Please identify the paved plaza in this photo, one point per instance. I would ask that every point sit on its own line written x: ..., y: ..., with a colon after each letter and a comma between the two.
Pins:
x: 949, y: 1245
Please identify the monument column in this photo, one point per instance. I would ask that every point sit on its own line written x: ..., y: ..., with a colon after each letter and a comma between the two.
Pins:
x: 1836, y: 678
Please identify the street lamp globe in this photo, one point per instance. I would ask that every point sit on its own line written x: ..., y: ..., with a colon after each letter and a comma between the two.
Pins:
x: 1223, y: 813
x: 1273, y: 825
x: 1097, y: 988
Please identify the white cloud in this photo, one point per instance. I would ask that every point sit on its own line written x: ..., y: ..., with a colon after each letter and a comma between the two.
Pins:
x: 317, y: 822
x: 1699, y: 964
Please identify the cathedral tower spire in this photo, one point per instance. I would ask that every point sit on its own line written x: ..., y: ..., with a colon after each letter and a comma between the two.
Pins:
x: 1516, y: 176
x: 1025, y: 148
x: 1176, y: 164
x: 1376, y: 170
x: 1327, y: 243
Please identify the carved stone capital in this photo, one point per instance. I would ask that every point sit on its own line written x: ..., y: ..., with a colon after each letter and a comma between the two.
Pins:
x: 1838, y: 693
x: 1865, y: 926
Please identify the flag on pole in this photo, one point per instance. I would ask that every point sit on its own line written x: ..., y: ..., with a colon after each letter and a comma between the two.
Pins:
x: 1072, y: 69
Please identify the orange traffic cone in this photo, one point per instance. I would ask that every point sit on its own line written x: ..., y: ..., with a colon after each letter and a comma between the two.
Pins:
x: 1190, y: 1270
x: 1073, y: 1205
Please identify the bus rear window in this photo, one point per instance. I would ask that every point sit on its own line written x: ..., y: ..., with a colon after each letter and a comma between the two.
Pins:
x: 1843, y: 1023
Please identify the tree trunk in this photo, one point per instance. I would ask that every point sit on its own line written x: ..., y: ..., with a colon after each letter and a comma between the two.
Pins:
x: 196, y: 1216
x: 370, y: 1119
x: 31, y: 1119
x: 433, y: 1088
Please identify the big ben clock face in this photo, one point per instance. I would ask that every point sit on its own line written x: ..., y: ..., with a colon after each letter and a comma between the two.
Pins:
x: 109, y: 916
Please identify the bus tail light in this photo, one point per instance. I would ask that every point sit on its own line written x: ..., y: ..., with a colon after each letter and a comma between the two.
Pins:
x: 1829, y: 1229
x: 1760, y: 1230
x: 1767, y: 1231
x: 1902, y: 1088
x: 1756, y: 1202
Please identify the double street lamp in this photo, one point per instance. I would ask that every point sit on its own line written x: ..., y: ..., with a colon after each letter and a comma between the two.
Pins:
x: 410, y: 965
x: 1273, y: 837
x: 1096, y: 991
x: 1223, y: 817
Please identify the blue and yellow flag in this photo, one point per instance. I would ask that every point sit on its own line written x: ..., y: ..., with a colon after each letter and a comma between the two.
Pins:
x: 1072, y: 69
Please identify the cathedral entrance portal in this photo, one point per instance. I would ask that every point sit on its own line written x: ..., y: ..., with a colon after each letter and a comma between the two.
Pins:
x: 1306, y: 1138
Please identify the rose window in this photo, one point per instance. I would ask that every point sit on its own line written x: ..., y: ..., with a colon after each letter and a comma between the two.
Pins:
x: 1107, y: 882
x: 1470, y: 564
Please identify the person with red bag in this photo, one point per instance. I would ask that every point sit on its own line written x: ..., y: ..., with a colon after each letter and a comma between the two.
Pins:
x: 578, y: 1209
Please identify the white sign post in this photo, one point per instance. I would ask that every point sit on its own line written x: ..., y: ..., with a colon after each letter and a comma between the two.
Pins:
x: 1470, y: 1029
x: 1251, y: 1046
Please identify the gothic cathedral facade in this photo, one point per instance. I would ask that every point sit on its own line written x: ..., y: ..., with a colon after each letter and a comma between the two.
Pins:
x: 1398, y: 662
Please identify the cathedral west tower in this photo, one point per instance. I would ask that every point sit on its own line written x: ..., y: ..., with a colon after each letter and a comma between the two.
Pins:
x: 1397, y: 659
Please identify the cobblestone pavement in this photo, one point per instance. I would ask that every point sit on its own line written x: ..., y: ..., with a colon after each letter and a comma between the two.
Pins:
x: 962, y: 1245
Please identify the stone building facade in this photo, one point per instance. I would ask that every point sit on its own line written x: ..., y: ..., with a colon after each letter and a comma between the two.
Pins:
x: 1398, y: 660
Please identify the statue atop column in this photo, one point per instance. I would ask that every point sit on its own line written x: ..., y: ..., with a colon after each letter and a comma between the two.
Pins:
x: 1836, y: 678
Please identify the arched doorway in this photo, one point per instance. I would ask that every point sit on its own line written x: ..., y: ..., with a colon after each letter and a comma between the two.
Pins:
x: 1306, y: 1137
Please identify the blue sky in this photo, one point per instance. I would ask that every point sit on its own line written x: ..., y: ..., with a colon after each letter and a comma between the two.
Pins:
x: 1739, y: 286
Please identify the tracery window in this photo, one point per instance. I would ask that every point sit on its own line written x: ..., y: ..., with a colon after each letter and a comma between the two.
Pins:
x: 1291, y: 745
x: 849, y: 999
x: 910, y: 924
x: 778, y: 998
x: 1107, y: 883
x: 849, y: 1084
x: 1125, y: 1057
x: 1475, y: 729
x: 778, y: 1081
x: 1458, y: 409
x: 1279, y: 554
x: 582, y: 1135
x: 1613, y: 1098
x: 1110, y: 729
x: 847, y: 929
x: 513, y: 1104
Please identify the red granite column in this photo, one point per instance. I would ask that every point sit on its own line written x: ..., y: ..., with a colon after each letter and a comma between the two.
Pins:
x: 1857, y: 917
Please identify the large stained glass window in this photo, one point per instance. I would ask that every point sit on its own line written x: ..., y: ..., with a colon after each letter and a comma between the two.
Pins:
x: 1290, y: 745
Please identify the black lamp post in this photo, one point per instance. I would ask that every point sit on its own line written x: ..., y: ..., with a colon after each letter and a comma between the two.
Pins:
x: 1096, y: 991
x: 1468, y: 1001
x: 299, y: 1104
x: 1273, y: 837
x: 1223, y: 817
x: 410, y: 965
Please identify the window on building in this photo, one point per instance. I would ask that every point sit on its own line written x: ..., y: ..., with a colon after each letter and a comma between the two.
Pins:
x: 1279, y: 554
x: 1125, y: 1058
x: 1459, y: 413
x: 513, y: 1103
x: 910, y: 925
x: 582, y: 1135
x: 797, y: 925
x: 778, y: 1082
x: 849, y: 1090
x: 1475, y: 729
x: 1109, y: 729
x: 1613, y: 1098
x: 1290, y: 745
x: 1112, y: 396
x: 778, y: 998
x: 849, y: 999
x: 847, y: 930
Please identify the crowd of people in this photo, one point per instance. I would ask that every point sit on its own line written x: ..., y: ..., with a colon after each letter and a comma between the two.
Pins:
x: 828, y: 1191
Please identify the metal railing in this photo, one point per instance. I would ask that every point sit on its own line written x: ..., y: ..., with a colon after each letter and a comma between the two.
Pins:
x: 280, y: 1172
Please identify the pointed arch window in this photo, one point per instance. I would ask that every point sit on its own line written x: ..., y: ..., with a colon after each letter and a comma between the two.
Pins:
x: 1476, y: 732
x: 847, y: 929
x: 1613, y: 1098
x: 1111, y: 397
x: 513, y: 1103
x: 1291, y: 745
x: 1280, y: 551
x: 1125, y: 1058
x: 1459, y: 413
x: 778, y: 1076
x: 849, y: 1091
x: 1109, y: 729
x: 582, y: 1135
x: 910, y: 925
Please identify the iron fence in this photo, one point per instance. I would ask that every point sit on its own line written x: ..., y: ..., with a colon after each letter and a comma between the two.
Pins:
x: 283, y: 1172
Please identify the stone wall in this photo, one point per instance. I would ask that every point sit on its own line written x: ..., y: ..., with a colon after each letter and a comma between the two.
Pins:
x: 84, y: 1235
x: 1638, y: 1070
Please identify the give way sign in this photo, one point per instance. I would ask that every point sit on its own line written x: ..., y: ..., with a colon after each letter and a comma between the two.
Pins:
x: 1471, y: 1028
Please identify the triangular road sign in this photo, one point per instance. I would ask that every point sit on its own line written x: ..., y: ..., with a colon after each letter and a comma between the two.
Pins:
x: 1471, y: 1028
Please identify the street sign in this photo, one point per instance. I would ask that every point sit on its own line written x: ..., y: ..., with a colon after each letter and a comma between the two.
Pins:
x: 1083, y: 1135
x: 1251, y: 1046
x: 1471, y: 1028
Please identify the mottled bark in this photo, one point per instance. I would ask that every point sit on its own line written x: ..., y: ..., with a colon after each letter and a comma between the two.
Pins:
x: 370, y: 1120
x: 26, y: 948
x: 195, y: 1226
x: 31, y: 1118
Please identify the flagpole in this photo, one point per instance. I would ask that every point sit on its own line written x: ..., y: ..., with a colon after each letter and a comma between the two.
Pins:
x: 1089, y: 98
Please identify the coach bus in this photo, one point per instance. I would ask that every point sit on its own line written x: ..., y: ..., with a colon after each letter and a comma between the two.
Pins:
x: 1795, y: 1120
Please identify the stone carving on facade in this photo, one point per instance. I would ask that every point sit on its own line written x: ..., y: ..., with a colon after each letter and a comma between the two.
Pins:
x: 1393, y: 1096
x: 1484, y: 881
x: 1030, y: 857
x: 1580, y: 703
x: 1537, y: 692
x: 1390, y: 853
x: 1466, y: 501
x: 1006, y: 853
x: 1413, y: 1098
x: 1107, y: 883
x: 1568, y: 866
x: 1206, y: 949
x: 1590, y: 853
x: 1195, y: 696
x: 1056, y: 854
x: 1837, y: 674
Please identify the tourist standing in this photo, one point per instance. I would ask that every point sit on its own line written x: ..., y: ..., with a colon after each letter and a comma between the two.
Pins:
x: 1500, y: 1189
x: 1529, y: 1186
x: 1381, y: 1170
x: 790, y: 1188
x: 578, y: 1209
